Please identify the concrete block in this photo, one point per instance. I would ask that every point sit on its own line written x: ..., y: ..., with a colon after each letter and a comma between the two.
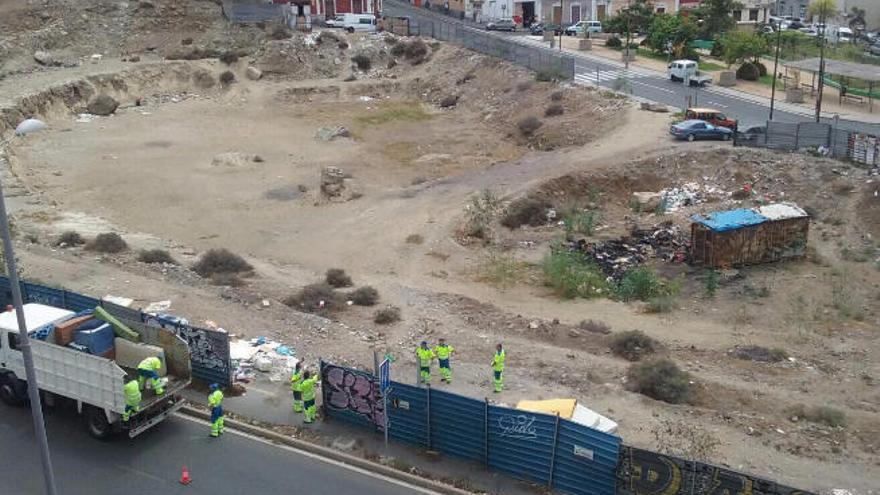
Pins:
x: 794, y: 95
x: 130, y: 354
x: 548, y: 35
x: 585, y: 45
x: 727, y: 78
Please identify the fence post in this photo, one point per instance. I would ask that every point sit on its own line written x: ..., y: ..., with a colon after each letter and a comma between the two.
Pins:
x: 428, y: 410
x: 553, y: 454
x: 797, y: 136
x: 486, y: 431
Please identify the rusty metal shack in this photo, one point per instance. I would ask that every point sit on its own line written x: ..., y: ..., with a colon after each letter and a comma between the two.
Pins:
x: 749, y: 236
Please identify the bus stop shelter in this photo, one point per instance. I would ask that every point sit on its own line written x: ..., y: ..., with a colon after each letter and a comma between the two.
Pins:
x: 845, y: 71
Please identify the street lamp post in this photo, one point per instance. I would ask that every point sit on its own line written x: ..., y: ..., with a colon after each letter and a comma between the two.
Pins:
x: 25, y: 348
x: 822, y: 29
x: 775, y: 64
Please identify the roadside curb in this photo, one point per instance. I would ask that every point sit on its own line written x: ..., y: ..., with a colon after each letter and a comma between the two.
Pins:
x: 330, y: 453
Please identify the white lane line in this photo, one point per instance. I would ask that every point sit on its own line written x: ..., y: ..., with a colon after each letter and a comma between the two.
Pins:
x: 715, y: 104
x: 333, y: 462
x: 658, y: 88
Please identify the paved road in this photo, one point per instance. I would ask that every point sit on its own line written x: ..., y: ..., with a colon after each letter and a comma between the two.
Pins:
x: 150, y: 464
x: 654, y: 86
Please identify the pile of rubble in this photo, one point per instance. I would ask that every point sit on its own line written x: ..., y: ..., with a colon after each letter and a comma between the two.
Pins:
x: 688, y: 194
x: 263, y: 356
x: 616, y: 256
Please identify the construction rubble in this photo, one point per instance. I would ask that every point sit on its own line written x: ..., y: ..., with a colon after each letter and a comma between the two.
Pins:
x: 259, y: 355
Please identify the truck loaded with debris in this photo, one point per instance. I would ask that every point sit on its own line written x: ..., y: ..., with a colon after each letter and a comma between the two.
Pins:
x: 87, y: 358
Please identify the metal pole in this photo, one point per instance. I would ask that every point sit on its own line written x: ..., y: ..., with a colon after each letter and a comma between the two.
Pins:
x: 25, y: 347
x: 486, y: 431
x: 375, y: 364
x: 775, y: 64
x: 821, y: 66
x: 553, y: 454
x: 428, y: 410
x: 561, y: 18
x: 385, y: 411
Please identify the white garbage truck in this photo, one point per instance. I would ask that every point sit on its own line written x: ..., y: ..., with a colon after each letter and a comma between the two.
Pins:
x: 86, y: 358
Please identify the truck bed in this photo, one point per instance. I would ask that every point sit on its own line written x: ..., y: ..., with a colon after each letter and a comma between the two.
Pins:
x: 175, y: 384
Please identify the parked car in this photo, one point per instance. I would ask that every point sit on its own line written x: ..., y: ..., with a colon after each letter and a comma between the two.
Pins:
x: 502, y: 25
x: 578, y: 28
x: 699, y: 129
x: 359, y: 22
x: 812, y: 33
x: 686, y: 71
x: 711, y: 116
x: 336, y: 22
x: 751, y: 133
x: 792, y: 25
x: 539, y: 28
x: 844, y: 35
x: 874, y: 49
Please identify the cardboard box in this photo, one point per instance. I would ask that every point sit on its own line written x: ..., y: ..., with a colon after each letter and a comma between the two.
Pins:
x: 64, y: 331
x: 130, y: 354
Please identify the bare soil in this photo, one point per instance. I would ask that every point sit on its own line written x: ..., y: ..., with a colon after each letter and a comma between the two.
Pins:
x: 179, y: 172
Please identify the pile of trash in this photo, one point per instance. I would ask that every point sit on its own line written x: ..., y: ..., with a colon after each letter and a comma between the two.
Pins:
x: 616, y: 256
x: 263, y: 356
x: 688, y: 194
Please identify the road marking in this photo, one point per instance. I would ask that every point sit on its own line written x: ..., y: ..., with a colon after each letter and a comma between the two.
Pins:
x: 349, y: 467
x: 715, y: 104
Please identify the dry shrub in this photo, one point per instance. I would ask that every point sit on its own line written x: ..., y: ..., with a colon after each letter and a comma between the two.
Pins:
x: 556, y: 96
x: 449, y: 101
x: 229, y: 58
x: 529, y: 125
x: 595, y: 327
x: 337, y: 277
x: 387, y: 316
x: 310, y: 297
x: 524, y: 85
x: 227, y: 78
x: 280, y: 33
x: 660, y: 379
x: 525, y: 211
x: 758, y: 353
x: 554, y: 110
x: 414, y: 239
x: 826, y: 415
x: 70, y: 238
x: 220, y: 261
x: 365, y: 296
x: 632, y: 345
x: 415, y: 51
x: 155, y: 256
x: 109, y: 242
x: 362, y: 62
x: 327, y: 37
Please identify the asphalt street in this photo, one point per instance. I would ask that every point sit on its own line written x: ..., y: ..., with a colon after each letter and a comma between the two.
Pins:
x: 652, y: 85
x: 151, y: 463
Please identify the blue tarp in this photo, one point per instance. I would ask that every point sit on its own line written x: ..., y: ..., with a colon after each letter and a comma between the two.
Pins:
x: 722, y: 221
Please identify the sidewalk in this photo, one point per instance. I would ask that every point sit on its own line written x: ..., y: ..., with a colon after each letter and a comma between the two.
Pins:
x: 271, y: 403
x: 745, y: 90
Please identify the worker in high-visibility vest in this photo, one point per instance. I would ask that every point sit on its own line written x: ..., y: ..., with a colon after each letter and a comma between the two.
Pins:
x: 443, y: 350
x: 149, y: 369
x: 308, y: 395
x: 132, y: 391
x: 425, y: 356
x: 498, y: 368
x: 215, y: 402
x: 296, y: 386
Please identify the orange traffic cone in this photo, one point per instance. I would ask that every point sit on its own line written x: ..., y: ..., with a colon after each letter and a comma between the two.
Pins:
x: 184, y: 476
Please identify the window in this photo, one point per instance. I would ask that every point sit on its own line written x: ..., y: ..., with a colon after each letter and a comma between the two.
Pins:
x: 753, y: 14
x: 13, y: 340
x: 365, y: 21
x: 737, y: 15
x: 661, y: 10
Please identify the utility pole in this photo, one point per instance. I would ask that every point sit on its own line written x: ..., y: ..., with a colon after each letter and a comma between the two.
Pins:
x: 822, y: 29
x: 25, y: 347
x: 775, y: 64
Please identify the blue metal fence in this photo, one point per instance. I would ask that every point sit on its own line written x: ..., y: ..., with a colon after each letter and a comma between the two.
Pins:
x: 209, y: 349
x: 538, y: 448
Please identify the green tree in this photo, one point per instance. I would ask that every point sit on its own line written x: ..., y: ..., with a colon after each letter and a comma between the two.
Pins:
x: 823, y: 9
x: 740, y: 46
x: 714, y: 17
x: 673, y: 32
x: 856, y: 19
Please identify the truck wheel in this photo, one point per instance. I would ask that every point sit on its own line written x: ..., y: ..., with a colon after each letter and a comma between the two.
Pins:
x: 96, y: 423
x: 350, y: 30
x: 13, y: 392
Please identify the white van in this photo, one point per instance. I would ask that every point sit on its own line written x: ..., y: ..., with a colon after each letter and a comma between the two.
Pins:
x: 359, y: 22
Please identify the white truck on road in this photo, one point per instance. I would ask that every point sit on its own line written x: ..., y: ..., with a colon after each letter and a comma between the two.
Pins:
x: 94, y: 383
x: 688, y: 72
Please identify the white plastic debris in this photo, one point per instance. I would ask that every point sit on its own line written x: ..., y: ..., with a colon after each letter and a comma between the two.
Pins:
x: 119, y: 301
x: 85, y: 118
x: 263, y: 363
x: 28, y: 126
x: 157, y: 307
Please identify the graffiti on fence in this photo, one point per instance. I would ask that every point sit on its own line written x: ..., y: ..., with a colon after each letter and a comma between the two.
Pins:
x: 357, y: 392
x: 202, y: 350
x: 517, y: 426
x: 642, y: 472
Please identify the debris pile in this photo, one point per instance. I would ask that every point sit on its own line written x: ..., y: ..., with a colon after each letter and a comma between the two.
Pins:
x: 616, y: 256
x: 261, y: 355
x: 331, y: 133
x: 688, y: 194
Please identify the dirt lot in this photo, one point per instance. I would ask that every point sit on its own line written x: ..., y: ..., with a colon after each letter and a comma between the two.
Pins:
x: 196, y: 166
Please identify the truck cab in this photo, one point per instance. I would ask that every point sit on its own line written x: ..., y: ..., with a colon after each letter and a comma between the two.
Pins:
x: 67, y: 369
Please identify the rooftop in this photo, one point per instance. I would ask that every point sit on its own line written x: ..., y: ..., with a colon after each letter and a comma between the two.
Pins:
x: 865, y: 72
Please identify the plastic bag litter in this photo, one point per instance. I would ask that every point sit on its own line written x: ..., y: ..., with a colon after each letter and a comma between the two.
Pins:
x: 284, y: 350
x: 28, y: 126
x: 263, y: 363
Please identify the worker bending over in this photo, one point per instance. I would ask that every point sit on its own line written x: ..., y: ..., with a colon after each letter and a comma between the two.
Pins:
x: 149, y: 369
